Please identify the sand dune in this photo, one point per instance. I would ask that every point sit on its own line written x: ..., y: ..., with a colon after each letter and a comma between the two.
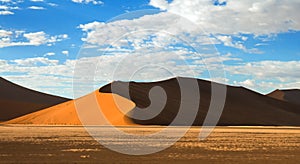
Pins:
x: 292, y: 95
x: 242, y: 107
x: 66, y: 113
x: 16, y: 100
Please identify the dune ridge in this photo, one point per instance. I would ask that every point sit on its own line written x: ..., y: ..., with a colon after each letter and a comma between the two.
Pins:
x: 243, y: 107
x: 289, y: 95
x: 16, y: 101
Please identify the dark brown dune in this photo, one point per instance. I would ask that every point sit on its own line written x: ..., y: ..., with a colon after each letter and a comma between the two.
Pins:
x: 16, y: 100
x: 291, y: 95
x: 242, y: 107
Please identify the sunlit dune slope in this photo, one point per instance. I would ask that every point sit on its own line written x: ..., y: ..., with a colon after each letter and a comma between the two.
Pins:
x: 89, y: 108
x: 16, y: 101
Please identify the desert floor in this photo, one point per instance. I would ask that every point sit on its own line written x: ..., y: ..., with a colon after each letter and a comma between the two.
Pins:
x: 69, y: 144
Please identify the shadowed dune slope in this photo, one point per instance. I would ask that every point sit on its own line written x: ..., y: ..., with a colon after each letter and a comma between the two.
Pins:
x: 16, y: 100
x: 88, y: 108
x: 292, y: 95
x: 242, y: 107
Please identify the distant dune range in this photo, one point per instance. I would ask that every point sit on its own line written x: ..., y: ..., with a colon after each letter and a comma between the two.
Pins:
x: 16, y: 100
x: 292, y: 95
x: 242, y: 107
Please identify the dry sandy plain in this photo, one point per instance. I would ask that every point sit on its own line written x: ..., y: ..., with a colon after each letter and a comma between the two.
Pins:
x: 71, y: 144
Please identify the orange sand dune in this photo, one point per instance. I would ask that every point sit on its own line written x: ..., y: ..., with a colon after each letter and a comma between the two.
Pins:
x: 89, y: 107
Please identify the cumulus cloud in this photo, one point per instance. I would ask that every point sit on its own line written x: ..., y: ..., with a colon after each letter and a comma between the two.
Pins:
x: 52, y: 4
x: 5, y: 12
x: 36, y: 38
x: 2, y: 7
x: 36, y: 8
x: 249, y: 83
x: 114, y: 64
x: 45, y: 2
x: 163, y: 28
x: 284, y: 71
x: 167, y: 29
x: 266, y: 86
x: 4, y: 33
x: 162, y: 4
x: 263, y: 76
x: 65, y: 52
x: 202, y: 22
x: 11, y: 38
x: 7, y: 7
x: 41, y: 74
x: 227, y: 40
x: 95, y: 2
x: 270, y: 86
x: 152, y: 47
x: 49, y: 54
x: 234, y: 16
x: 29, y: 62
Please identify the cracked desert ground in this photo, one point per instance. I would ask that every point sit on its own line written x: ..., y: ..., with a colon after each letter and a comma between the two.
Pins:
x: 71, y: 144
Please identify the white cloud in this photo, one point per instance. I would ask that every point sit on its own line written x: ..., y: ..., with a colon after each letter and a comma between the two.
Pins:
x: 49, y: 54
x: 142, y: 50
x: 6, y: 12
x: 249, y: 83
x: 244, y: 38
x: 248, y: 16
x: 45, y: 2
x: 265, y: 76
x: 166, y: 29
x: 4, y: 33
x: 162, y: 4
x: 95, y: 2
x: 7, y: 6
x: 2, y: 7
x: 266, y: 86
x: 10, y: 38
x: 36, y: 8
x: 221, y: 80
x: 155, y: 64
x: 209, y: 24
x: 52, y: 4
x: 65, y: 53
x: 36, y: 38
x: 227, y: 40
x: 58, y: 77
x: 284, y: 71
x: 3, y: 62
x: 5, y: 1
x: 29, y: 62
x: 56, y: 38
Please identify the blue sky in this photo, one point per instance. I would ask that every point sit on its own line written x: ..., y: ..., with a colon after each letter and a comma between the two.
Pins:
x: 252, y: 43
